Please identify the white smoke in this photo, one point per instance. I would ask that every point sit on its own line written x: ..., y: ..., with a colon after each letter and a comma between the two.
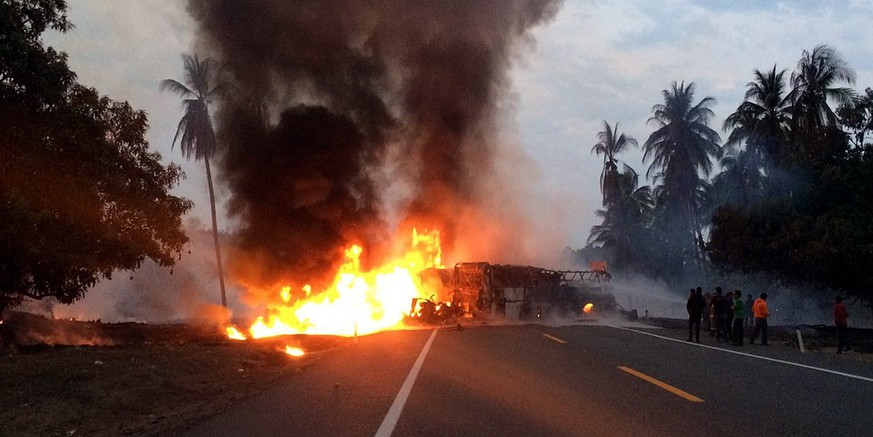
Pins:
x: 153, y: 294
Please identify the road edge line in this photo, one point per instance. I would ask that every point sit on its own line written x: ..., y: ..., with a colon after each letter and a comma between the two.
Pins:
x: 390, y: 420
x: 805, y: 366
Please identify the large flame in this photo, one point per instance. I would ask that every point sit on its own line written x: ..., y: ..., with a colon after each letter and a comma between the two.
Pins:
x: 357, y: 302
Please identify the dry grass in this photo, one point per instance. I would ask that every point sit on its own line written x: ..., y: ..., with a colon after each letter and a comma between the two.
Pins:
x: 140, y: 387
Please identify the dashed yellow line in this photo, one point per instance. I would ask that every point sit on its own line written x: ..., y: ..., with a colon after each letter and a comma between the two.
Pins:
x: 554, y: 338
x: 663, y: 385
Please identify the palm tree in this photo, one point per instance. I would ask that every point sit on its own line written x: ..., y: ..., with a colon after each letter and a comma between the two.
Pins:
x: 762, y: 120
x: 195, y: 132
x: 681, y: 149
x: 857, y: 117
x: 812, y: 83
x: 740, y: 184
x: 610, y: 143
x: 625, y: 226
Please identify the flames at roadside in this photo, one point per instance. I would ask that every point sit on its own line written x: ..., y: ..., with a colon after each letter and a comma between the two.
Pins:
x: 357, y: 302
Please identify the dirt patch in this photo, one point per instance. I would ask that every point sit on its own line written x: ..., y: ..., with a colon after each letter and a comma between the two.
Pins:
x: 133, y: 379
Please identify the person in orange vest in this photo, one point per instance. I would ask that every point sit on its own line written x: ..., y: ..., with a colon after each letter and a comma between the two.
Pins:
x: 841, y: 319
x: 761, y: 312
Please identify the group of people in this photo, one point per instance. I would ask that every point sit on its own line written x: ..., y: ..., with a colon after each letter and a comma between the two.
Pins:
x: 726, y: 315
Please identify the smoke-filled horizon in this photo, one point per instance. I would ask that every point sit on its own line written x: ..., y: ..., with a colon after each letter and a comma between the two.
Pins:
x: 349, y: 119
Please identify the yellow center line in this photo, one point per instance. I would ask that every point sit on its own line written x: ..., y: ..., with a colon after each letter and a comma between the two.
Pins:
x: 554, y: 338
x: 663, y: 385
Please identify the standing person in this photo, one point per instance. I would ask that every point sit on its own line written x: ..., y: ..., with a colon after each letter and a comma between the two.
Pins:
x: 717, y: 307
x: 761, y: 312
x: 723, y: 315
x: 739, y: 316
x: 695, y: 311
x: 841, y: 319
x: 713, y: 320
x: 688, y: 305
x: 749, y: 316
x: 707, y: 313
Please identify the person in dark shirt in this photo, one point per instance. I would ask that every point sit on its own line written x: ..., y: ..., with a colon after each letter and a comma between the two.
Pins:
x: 739, y: 317
x: 695, y: 307
x: 721, y: 304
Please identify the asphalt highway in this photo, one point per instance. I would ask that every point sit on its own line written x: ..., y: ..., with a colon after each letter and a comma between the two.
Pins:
x: 536, y: 380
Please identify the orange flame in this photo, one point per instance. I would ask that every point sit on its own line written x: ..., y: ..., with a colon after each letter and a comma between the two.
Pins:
x: 294, y: 351
x: 588, y: 308
x: 234, y: 334
x: 357, y: 302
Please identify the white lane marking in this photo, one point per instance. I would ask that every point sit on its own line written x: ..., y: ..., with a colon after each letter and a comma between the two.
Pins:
x: 390, y: 421
x: 848, y: 375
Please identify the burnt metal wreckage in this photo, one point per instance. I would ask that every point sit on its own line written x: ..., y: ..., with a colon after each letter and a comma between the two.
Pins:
x: 511, y: 292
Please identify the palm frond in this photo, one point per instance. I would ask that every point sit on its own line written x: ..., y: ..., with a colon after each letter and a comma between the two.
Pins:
x: 176, y: 87
x: 194, y: 132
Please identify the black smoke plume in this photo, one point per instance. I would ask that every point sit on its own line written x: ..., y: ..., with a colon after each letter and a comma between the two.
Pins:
x: 336, y: 100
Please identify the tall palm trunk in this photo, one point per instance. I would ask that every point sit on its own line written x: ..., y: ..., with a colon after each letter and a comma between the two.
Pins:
x: 195, y: 131
x: 215, y: 233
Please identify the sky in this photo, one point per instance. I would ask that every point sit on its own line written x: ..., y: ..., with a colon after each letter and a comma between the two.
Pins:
x: 597, y: 60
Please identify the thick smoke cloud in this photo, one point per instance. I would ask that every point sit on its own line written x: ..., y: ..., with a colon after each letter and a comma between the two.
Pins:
x: 336, y: 103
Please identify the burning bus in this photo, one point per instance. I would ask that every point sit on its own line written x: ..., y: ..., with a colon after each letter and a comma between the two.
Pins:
x: 362, y: 300
x: 515, y: 292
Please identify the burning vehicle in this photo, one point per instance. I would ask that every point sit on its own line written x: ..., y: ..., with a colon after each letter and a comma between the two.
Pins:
x: 416, y: 287
x: 513, y: 292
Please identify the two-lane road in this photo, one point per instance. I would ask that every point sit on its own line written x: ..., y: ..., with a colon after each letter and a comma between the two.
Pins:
x: 538, y: 380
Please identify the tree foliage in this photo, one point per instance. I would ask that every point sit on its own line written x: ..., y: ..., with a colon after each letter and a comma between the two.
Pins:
x: 813, y: 85
x: 195, y: 133
x: 810, y: 224
x: 792, y: 196
x: 761, y: 122
x: 81, y: 195
x: 681, y: 150
x: 823, y: 236
x: 857, y: 117
x: 609, y: 144
x: 625, y: 229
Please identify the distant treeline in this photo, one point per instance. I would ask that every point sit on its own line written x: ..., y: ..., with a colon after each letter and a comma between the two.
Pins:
x: 788, y: 193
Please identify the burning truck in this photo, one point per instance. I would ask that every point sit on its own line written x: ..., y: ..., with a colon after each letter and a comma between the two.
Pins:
x: 513, y: 292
